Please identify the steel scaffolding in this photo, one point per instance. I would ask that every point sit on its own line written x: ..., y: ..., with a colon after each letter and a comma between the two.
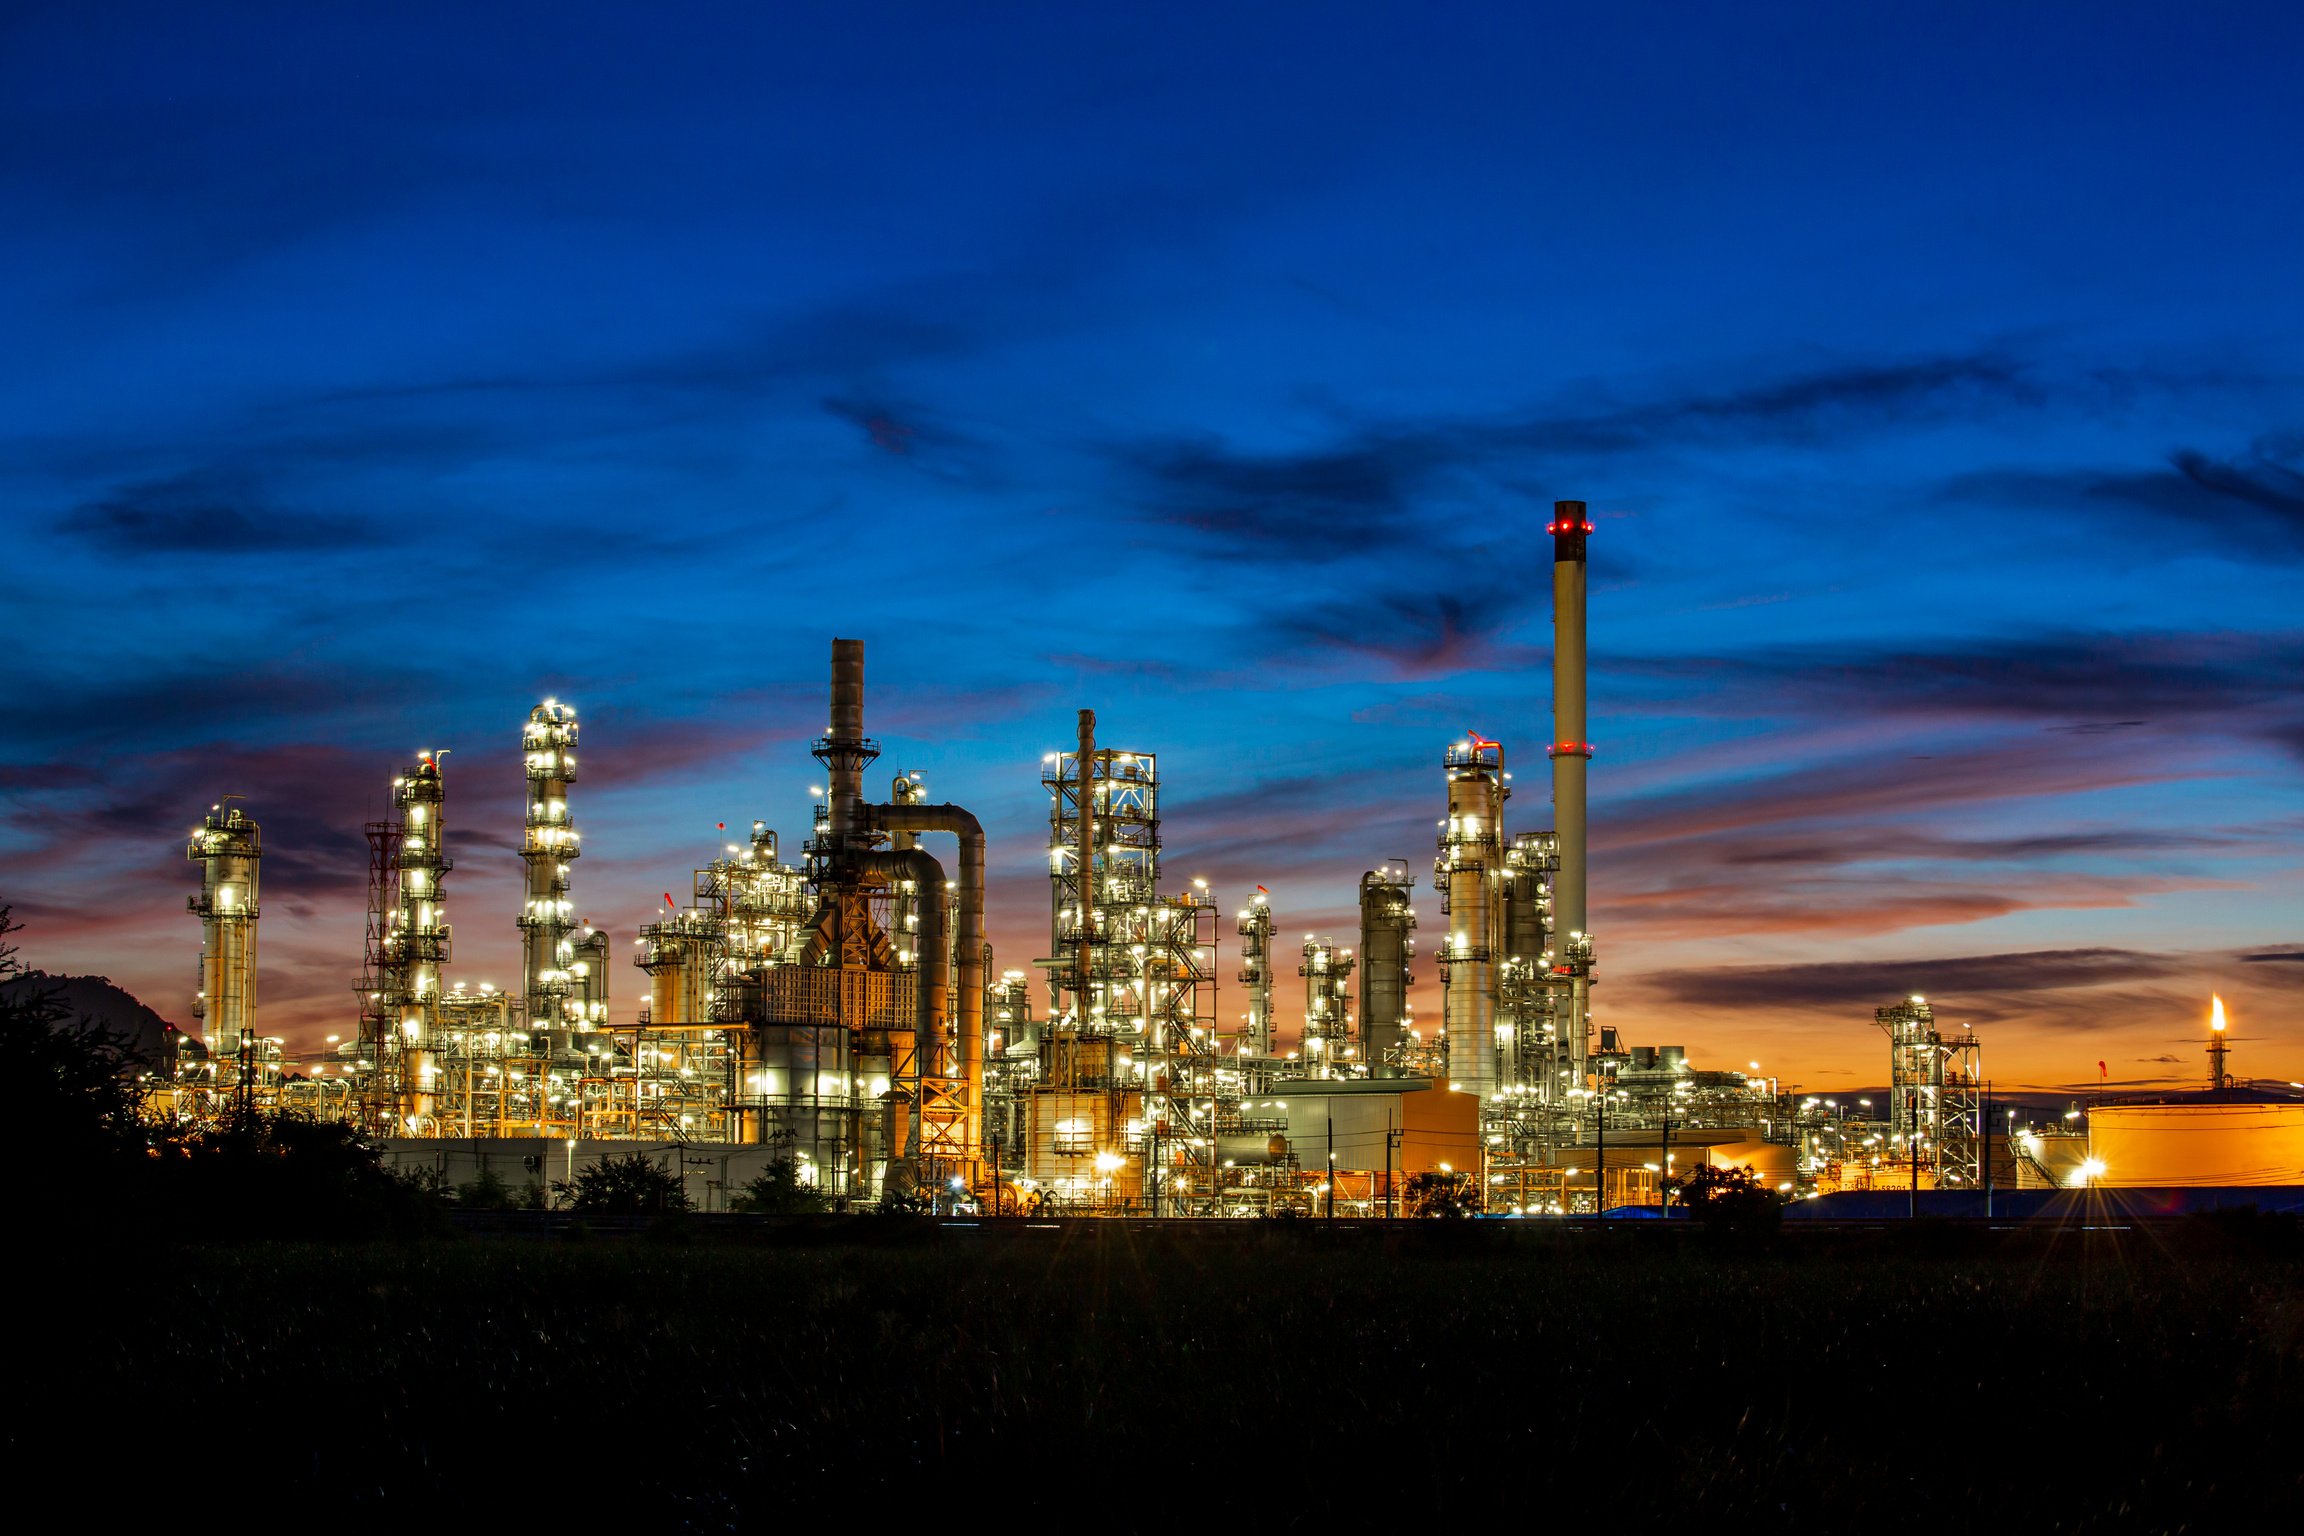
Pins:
x: 1936, y: 1086
x: 1123, y: 1093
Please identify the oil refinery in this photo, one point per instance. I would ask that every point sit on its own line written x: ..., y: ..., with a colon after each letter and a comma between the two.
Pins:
x: 842, y: 1009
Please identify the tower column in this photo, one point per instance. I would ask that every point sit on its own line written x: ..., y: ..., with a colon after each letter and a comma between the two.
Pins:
x: 1571, y: 752
x: 226, y: 845
x: 548, y: 918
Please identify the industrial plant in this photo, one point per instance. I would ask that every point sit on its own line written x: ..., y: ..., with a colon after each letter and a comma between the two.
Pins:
x: 839, y: 1008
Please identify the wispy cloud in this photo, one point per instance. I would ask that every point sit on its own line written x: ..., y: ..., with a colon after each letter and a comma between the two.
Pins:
x: 2253, y: 503
x: 2078, y: 683
x: 1849, y: 983
x: 1337, y: 499
x: 206, y: 514
x: 1457, y: 628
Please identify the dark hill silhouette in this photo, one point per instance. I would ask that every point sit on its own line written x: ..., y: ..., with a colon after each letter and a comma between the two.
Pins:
x: 96, y: 998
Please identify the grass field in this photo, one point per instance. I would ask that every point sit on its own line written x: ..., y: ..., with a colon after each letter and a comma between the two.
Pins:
x: 1273, y: 1381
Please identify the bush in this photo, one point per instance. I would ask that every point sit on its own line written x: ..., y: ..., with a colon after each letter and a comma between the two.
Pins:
x: 625, y: 1186
x: 1730, y: 1197
x: 490, y: 1192
x: 286, y: 1175
x: 1443, y: 1196
x: 72, y: 1086
x: 256, y: 1175
x: 777, y: 1191
x: 905, y: 1202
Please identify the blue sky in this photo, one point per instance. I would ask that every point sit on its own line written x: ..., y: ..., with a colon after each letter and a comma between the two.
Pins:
x: 1937, y: 384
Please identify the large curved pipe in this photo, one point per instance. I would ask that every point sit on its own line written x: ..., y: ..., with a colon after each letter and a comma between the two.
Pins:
x: 935, y: 958
x: 951, y: 818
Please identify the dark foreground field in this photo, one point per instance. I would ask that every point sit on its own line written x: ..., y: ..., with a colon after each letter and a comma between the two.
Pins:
x: 1123, y: 1381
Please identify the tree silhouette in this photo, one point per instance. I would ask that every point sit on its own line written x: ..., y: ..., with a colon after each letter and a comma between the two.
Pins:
x: 625, y: 1186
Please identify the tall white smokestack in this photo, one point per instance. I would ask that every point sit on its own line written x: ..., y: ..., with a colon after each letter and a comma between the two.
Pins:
x: 1571, y: 755
x: 1571, y: 750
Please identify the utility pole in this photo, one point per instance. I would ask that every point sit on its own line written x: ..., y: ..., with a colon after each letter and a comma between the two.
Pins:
x: 1331, y: 1167
x: 1912, y: 1151
x: 244, y: 1091
x: 1391, y: 1140
x: 1600, y: 1155
x: 1986, y: 1137
x: 1664, y: 1160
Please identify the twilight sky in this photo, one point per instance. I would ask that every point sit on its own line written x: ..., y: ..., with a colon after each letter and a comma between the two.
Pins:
x: 1936, y: 382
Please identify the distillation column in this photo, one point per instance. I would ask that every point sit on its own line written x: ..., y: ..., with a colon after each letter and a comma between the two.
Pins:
x: 1327, y: 973
x: 587, y: 1007
x: 418, y: 941
x: 547, y: 921
x: 226, y: 846
x: 1256, y: 972
x: 1527, y: 1039
x: 1387, y: 921
x: 1571, y: 754
x: 1470, y: 873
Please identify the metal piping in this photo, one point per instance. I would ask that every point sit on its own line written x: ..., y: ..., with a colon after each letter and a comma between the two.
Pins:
x: 953, y: 819
x: 921, y: 867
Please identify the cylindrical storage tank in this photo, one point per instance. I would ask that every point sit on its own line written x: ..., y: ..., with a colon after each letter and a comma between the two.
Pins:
x: 1247, y: 1150
x: 2200, y: 1143
x: 668, y: 994
x: 1385, y: 919
x: 799, y: 1064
